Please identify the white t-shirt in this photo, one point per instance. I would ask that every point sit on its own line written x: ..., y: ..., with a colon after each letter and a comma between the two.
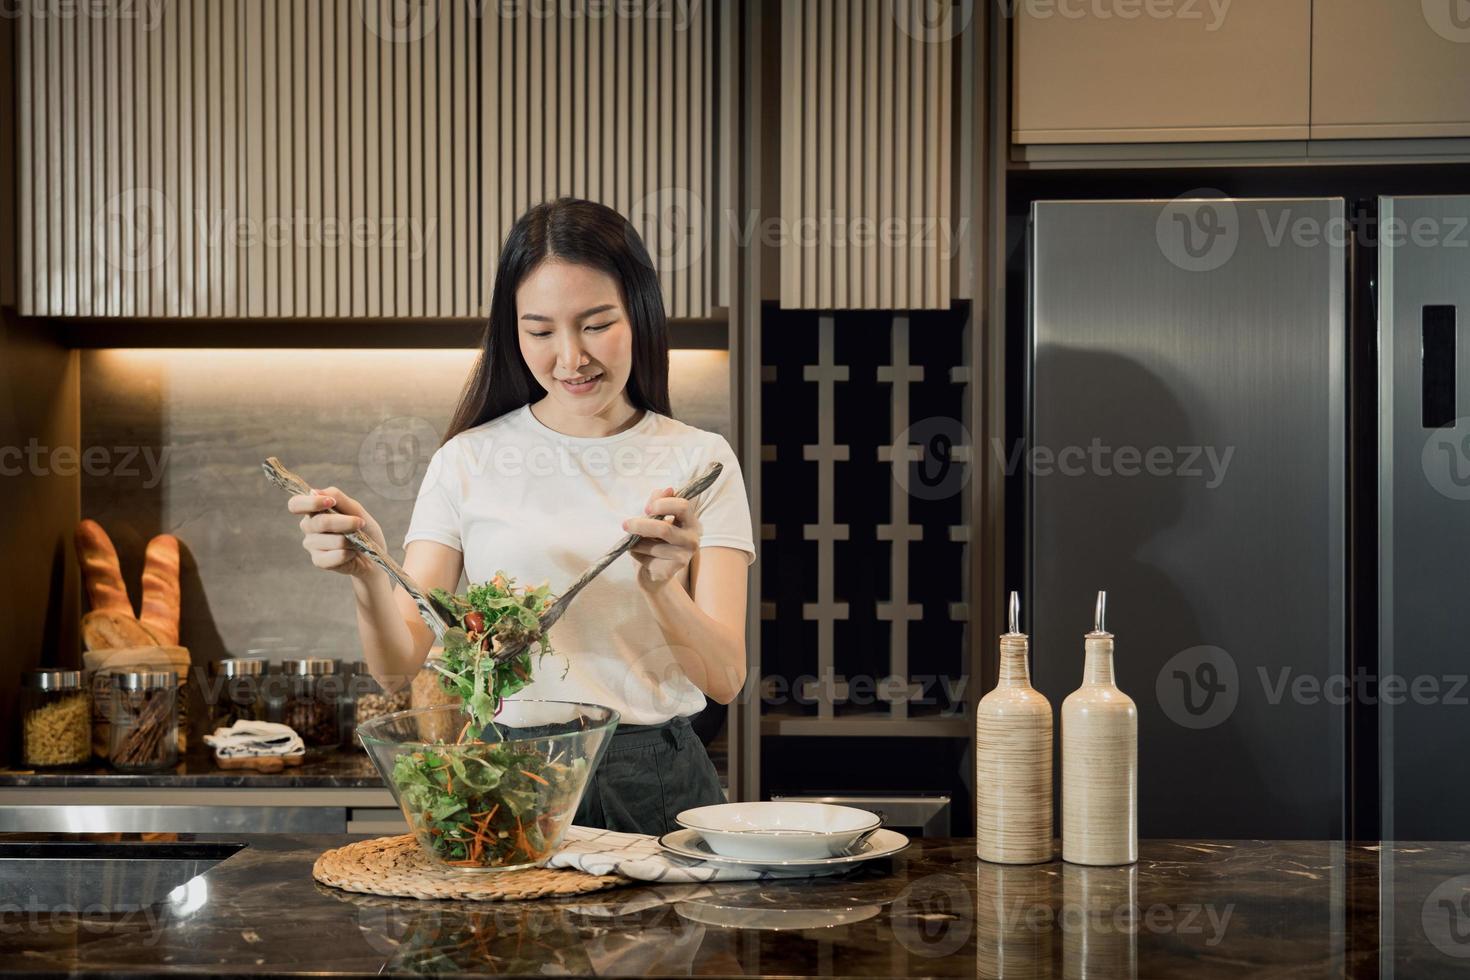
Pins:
x: 514, y: 495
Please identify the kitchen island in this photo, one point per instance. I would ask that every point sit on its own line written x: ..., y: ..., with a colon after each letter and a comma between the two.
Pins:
x: 1188, y: 908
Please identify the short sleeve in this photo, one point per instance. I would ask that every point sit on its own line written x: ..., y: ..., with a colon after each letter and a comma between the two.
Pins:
x: 724, y: 510
x: 436, y: 510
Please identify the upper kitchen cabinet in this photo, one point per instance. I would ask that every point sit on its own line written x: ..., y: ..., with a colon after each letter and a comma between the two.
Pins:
x: 1148, y: 71
x: 341, y: 158
x: 869, y: 153
x: 1390, y: 69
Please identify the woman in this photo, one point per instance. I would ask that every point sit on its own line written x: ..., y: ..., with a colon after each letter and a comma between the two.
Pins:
x: 562, y: 441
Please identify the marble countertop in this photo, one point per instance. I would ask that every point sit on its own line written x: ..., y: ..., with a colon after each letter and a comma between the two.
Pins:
x: 339, y: 768
x: 1188, y: 908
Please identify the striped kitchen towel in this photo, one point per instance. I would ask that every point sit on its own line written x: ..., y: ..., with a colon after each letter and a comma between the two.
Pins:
x: 639, y: 856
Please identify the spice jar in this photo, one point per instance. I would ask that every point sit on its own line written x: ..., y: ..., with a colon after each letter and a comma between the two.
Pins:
x: 145, y: 720
x: 369, y: 699
x: 236, y: 691
x: 274, y: 685
x: 313, y: 689
x: 428, y: 691
x: 56, y: 719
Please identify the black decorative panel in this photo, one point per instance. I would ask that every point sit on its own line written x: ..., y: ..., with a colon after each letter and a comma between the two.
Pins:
x: 864, y: 472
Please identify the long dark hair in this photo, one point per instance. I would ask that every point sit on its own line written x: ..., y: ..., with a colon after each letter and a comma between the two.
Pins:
x: 585, y: 233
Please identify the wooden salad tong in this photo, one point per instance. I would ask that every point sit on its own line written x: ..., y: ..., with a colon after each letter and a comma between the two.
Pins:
x: 441, y: 619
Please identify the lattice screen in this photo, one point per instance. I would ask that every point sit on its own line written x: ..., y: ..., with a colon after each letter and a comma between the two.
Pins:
x: 864, y: 470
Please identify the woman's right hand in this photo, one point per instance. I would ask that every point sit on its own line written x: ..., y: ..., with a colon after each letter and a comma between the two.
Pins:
x: 323, y: 534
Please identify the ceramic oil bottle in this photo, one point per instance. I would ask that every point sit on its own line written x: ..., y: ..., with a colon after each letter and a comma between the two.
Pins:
x: 1099, y: 760
x: 1013, y: 752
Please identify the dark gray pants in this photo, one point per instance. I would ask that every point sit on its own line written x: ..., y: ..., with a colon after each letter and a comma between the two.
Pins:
x: 648, y: 775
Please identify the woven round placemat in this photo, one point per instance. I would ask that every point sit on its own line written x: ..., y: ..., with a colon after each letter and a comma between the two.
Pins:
x: 397, y: 866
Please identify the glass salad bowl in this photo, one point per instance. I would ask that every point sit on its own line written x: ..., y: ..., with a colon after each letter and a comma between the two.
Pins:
x: 501, y: 802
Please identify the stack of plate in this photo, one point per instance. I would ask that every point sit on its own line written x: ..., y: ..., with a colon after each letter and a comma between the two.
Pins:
x: 811, y: 838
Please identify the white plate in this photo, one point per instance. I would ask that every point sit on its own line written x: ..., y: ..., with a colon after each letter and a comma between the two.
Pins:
x: 778, y: 831
x: 883, y: 843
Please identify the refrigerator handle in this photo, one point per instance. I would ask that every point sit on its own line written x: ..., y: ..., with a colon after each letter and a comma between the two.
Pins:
x: 1437, y: 366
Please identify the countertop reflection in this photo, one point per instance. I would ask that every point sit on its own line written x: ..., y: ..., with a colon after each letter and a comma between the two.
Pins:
x: 335, y: 768
x: 1188, y: 908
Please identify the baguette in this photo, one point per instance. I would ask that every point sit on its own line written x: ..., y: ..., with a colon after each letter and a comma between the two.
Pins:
x: 160, y: 608
x: 101, y: 572
x: 110, y: 629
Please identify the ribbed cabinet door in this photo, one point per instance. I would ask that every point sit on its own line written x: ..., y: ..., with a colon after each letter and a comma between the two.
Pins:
x: 349, y: 158
x: 866, y: 145
x: 584, y: 100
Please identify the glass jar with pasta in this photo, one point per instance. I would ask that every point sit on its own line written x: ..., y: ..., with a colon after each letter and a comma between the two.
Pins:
x: 56, y: 719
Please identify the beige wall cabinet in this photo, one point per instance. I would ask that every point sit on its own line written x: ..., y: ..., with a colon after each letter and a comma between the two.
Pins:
x: 1390, y: 68
x: 1147, y: 71
x: 1155, y: 71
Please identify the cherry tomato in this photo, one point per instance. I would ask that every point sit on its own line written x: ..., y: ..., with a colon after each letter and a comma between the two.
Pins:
x: 475, y: 621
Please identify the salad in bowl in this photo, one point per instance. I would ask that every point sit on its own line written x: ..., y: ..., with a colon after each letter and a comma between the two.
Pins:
x: 490, y: 783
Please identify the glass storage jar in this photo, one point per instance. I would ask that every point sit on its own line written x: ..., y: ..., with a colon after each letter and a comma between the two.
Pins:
x: 314, y: 689
x: 56, y: 719
x: 236, y: 691
x: 274, y: 651
x: 145, y: 720
x: 427, y: 691
x: 347, y: 704
x: 370, y: 701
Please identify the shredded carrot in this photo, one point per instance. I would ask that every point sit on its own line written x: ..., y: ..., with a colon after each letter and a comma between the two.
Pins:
x: 481, y: 831
x: 534, y: 776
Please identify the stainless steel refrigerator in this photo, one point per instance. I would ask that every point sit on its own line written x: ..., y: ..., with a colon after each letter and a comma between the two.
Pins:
x: 1424, y: 517
x: 1185, y: 449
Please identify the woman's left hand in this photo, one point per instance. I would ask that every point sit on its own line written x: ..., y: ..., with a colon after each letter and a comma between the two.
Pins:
x: 667, y: 546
